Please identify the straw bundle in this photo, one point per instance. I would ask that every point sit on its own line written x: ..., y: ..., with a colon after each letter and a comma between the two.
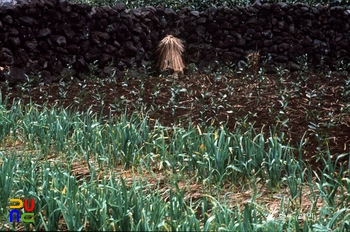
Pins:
x: 253, y: 58
x: 170, y: 51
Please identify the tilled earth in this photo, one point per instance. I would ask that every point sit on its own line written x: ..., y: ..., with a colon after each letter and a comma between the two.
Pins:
x: 314, y: 104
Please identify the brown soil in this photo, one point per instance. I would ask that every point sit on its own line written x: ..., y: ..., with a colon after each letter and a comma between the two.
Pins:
x: 317, y: 103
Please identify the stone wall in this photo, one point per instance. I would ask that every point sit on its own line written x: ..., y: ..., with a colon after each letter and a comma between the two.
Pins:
x: 48, y: 35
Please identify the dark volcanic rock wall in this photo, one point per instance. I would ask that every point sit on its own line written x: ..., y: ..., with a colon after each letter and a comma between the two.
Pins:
x: 48, y: 35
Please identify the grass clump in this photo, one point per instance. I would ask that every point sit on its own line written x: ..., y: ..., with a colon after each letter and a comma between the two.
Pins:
x: 87, y: 172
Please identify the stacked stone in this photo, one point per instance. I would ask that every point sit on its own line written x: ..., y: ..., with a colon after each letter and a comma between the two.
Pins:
x: 47, y: 36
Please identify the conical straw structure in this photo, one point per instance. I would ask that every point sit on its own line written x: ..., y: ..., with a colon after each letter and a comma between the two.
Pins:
x: 170, y: 51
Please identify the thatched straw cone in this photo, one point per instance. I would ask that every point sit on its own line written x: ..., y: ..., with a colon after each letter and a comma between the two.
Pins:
x: 253, y: 58
x: 170, y: 51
